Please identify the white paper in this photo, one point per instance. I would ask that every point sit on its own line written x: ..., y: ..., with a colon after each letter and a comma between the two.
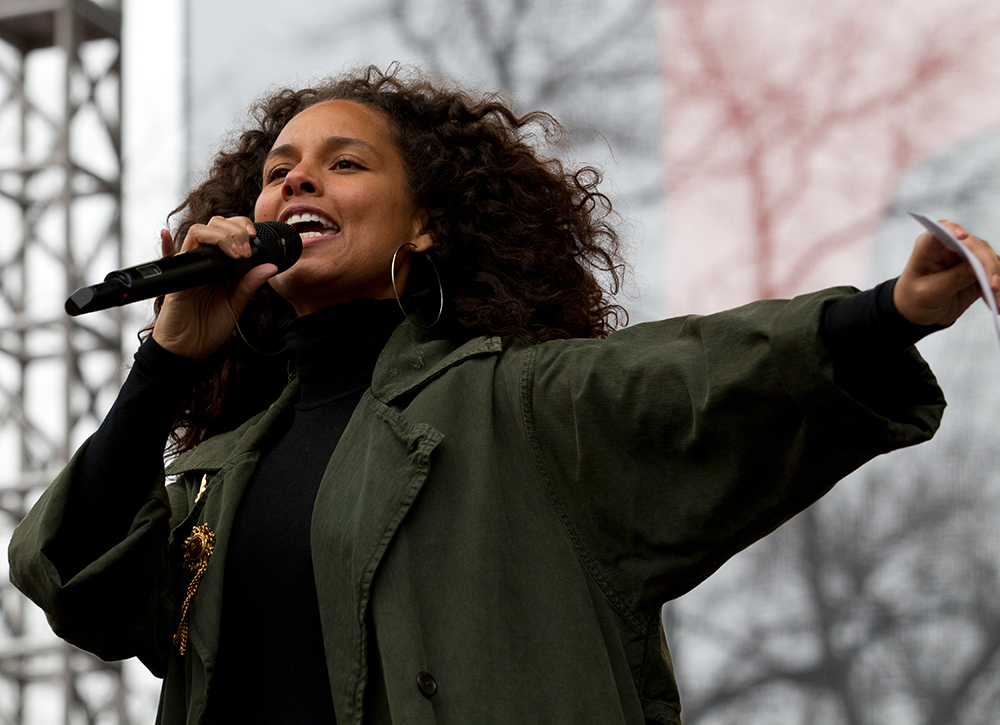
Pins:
x: 948, y: 239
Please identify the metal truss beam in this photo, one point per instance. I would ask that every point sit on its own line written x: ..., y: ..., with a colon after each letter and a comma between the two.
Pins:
x: 60, y: 207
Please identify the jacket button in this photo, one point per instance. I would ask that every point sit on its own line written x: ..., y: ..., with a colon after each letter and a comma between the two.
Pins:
x: 427, y: 684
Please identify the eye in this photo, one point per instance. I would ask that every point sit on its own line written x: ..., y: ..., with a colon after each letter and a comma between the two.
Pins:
x: 346, y: 164
x: 278, y: 172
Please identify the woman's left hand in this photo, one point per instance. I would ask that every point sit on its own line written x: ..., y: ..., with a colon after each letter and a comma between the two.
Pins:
x: 938, y: 285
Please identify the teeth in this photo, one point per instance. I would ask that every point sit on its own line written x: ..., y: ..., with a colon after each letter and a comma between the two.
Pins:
x: 301, y: 218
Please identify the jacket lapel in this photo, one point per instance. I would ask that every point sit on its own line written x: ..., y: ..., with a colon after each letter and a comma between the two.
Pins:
x: 373, y: 478
x: 228, y: 461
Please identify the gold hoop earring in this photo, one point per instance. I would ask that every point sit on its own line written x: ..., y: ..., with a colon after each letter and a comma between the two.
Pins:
x: 392, y: 274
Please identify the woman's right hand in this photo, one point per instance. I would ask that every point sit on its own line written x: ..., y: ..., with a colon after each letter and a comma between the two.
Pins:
x: 194, y: 323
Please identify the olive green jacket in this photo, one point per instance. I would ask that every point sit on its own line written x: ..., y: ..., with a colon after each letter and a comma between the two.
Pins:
x: 504, y: 521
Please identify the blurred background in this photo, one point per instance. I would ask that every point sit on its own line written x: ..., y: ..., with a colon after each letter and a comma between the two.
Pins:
x: 751, y: 149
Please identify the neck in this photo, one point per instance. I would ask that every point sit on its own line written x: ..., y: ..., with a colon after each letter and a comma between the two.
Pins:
x: 334, y: 350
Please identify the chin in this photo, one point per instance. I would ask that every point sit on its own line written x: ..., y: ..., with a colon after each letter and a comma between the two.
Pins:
x: 302, y: 277
x: 307, y: 292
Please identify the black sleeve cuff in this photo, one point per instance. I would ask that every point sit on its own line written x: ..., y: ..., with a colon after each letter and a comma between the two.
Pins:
x: 870, y: 321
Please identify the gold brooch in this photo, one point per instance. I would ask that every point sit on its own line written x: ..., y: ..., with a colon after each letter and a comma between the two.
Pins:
x: 197, y: 551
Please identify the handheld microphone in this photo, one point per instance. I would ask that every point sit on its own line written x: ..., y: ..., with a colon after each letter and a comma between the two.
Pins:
x: 276, y: 242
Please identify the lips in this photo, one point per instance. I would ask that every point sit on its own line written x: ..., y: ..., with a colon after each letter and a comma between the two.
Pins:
x: 311, y: 225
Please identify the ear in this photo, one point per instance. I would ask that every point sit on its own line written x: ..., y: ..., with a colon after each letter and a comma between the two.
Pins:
x: 422, y: 238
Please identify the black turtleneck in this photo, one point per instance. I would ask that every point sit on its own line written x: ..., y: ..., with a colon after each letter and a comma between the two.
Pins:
x: 272, y: 667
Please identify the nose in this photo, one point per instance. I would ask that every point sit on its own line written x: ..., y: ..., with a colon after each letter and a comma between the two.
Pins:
x: 301, y: 179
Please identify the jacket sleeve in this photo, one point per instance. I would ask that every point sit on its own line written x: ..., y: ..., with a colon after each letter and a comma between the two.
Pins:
x: 671, y: 446
x: 92, y: 552
x: 119, y: 605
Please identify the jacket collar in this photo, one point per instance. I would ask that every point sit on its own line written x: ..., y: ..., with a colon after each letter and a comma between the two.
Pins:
x: 212, y: 453
x: 411, y: 359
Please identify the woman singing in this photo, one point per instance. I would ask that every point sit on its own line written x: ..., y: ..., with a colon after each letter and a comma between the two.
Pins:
x: 420, y: 479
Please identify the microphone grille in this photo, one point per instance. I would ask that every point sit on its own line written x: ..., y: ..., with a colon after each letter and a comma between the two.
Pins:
x: 279, y: 244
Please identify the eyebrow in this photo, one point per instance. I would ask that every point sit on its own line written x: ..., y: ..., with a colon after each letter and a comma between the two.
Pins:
x: 329, y: 143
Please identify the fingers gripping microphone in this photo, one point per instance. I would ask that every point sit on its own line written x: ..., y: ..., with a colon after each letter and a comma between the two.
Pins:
x: 276, y: 242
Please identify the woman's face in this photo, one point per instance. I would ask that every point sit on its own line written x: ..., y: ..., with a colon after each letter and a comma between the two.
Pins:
x: 335, y: 175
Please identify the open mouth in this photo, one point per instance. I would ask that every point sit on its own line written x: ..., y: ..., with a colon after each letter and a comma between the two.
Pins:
x: 310, y: 226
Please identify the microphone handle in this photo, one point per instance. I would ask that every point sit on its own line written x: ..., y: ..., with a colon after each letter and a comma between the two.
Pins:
x: 275, y: 242
x: 163, y: 276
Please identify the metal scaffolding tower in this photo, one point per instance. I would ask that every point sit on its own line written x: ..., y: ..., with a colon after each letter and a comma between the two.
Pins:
x: 60, y: 209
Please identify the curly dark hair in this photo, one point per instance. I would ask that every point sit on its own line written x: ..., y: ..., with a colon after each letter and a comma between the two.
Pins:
x: 520, y: 241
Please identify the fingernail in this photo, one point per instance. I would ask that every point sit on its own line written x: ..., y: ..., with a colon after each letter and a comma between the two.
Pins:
x: 961, y: 233
x: 236, y: 249
x: 252, y: 229
x: 247, y: 251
